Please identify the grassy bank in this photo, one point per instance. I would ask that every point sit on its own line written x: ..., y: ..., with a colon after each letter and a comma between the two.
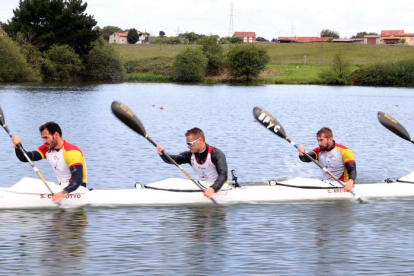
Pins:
x: 289, y: 63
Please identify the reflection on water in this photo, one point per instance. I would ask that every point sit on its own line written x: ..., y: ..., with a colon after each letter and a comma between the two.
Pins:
x: 330, y: 238
x: 319, y: 238
x: 42, y: 239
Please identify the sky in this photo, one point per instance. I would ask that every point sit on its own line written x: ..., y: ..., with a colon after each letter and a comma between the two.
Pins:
x: 267, y: 18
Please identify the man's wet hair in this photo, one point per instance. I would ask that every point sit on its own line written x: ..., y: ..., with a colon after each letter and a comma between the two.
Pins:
x: 325, y: 131
x: 196, y: 132
x: 52, y: 127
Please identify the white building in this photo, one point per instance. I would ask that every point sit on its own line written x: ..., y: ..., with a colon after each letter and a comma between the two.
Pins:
x: 118, y: 38
x: 121, y: 38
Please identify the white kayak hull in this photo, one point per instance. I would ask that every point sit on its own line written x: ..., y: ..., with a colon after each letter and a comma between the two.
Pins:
x: 32, y: 193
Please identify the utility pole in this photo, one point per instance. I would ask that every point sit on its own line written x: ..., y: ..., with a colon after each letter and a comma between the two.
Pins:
x: 231, y: 25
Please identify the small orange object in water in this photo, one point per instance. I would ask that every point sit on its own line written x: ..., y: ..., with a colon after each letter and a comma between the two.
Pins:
x: 161, y: 107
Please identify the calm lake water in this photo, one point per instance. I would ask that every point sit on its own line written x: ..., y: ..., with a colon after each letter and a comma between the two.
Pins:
x: 318, y: 238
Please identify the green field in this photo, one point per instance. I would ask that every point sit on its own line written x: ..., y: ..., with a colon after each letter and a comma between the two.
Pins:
x: 289, y: 63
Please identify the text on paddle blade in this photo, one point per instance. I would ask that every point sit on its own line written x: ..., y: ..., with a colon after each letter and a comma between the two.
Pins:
x: 268, y: 122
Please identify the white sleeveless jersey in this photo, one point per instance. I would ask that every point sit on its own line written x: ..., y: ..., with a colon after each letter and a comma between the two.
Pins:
x: 61, y: 161
x: 59, y: 165
x: 335, y: 160
x: 206, y: 171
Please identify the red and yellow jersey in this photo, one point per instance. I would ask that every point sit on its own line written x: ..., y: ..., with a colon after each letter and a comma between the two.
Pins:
x: 335, y: 160
x: 61, y: 160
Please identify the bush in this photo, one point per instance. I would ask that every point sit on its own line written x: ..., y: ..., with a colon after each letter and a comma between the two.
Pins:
x: 13, y: 65
x: 103, y: 63
x: 339, y: 72
x: 246, y: 61
x: 224, y: 40
x: 167, y: 40
x: 61, y: 63
x: 214, y: 53
x: 400, y: 73
x: 190, y: 65
x: 33, y: 57
x: 236, y: 40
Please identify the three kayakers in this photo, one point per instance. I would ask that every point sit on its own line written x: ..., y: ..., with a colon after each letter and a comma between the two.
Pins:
x: 208, y: 162
x: 66, y: 159
x: 337, y: 158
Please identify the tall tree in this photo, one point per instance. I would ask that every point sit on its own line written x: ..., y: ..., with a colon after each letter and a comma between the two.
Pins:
x: 162, y: 33
x: 362, y: 34
x: 262, y: 39
x: 132, y: 36
x: 191, y: 37
x: 108, y: 30
x: 329, y: 33
x: 48, y: 22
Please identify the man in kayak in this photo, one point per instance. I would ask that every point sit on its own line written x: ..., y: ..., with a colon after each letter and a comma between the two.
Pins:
x: 338, y: 159
x: 66, y: 159
x: 208, y: 162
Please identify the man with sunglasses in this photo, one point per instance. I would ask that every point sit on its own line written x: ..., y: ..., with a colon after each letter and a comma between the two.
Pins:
x: 207, y: 161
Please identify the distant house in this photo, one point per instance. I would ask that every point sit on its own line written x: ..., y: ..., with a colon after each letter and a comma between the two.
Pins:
x: 248, y: 37
x: 395, y: 36
x: 409, y: 38
x: 121, y: 38
x: 143, y: 38
x: 118, y: 38
x: 302, y: 39
x: 372, y: 39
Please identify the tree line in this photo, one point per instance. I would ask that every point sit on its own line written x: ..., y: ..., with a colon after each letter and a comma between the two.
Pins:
x: 55, y: 40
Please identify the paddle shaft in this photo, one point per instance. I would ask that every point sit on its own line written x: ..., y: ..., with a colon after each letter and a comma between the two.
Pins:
x: 179, y: 166
x: 324, y: 169
x: 39, y: 174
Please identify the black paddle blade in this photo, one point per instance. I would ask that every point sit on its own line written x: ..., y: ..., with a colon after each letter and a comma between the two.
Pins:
x: 123, y: 113
x: 267, y: 120
x: 392, y: 125
x: 2, y: 120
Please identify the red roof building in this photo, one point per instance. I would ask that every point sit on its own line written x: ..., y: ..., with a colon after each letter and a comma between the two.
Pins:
x: 248, y: 37
x: 409, y: 38
x: 393, y: 36
x: 118, y: 38
x: 390, y: 33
